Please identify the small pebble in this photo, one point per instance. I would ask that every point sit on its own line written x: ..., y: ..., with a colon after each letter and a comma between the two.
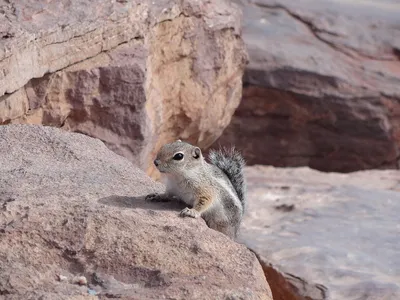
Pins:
x: 80, y: 280
x: 92, y: 292
x: 62, y: 278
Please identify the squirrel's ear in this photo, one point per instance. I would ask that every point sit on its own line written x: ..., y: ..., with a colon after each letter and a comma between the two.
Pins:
x: 196, y: 152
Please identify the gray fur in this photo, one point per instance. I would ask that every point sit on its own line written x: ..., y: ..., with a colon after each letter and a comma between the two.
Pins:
x: 231, y: 162
x: 222, y: 179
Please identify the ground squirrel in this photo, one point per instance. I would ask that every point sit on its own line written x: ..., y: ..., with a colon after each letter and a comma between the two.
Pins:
x: 215, y: 191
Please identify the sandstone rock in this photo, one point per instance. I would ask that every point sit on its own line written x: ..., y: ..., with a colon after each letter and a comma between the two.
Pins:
x: 135, y: 74
x: 69, y: 207
x: 325, y: 236
x: 322, y: 88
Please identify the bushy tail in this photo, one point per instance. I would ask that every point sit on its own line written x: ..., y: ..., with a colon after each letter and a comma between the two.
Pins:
x: 231, y: 162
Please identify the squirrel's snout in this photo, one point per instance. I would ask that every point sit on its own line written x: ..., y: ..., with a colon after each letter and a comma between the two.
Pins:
x: 156, y: 162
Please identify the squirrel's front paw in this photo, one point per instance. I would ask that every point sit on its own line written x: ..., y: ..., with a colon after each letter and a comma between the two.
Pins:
x: 153, y: 197
x: 189, y: 212
x: 157, y: 198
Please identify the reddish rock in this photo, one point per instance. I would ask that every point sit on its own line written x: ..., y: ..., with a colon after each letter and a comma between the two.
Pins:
x: 322, y: 88
x: 74, y: 225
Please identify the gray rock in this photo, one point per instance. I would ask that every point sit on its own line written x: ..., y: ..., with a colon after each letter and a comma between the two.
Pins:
x: 332, y: 236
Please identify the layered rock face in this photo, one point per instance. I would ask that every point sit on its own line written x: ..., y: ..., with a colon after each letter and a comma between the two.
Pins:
x: 70, y: 207
x: 134, y: 74
x: 323, y: 85
x: 325, y: 236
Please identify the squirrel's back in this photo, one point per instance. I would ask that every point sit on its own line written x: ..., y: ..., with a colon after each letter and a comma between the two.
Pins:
x: 232, y: 163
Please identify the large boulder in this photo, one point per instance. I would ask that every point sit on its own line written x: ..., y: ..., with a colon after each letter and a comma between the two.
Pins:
x: 322, y: 88
x: 70, y: 207
x: 135, y: 74
x: 325, y: 236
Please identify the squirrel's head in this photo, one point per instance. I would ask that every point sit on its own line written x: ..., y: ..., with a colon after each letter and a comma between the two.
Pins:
x: 178, y: 157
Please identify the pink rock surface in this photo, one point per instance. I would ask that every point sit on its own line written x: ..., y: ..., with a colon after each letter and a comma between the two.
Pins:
x: 71, y: 207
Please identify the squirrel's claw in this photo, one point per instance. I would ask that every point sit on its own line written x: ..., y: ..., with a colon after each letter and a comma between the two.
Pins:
x: 157, y: 198
x: 189, y: 212
x: 152, y: 197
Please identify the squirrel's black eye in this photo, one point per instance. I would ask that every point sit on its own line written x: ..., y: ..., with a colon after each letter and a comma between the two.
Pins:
x: 178, y: 156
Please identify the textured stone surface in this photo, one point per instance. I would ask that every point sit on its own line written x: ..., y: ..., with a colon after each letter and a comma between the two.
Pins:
x: 323, y: 85
x: 135, y: 74
x: 325, y: 236
x: 69, y: 206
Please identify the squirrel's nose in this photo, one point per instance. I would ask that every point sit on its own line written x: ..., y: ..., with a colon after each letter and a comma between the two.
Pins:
x: 156, y: 162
